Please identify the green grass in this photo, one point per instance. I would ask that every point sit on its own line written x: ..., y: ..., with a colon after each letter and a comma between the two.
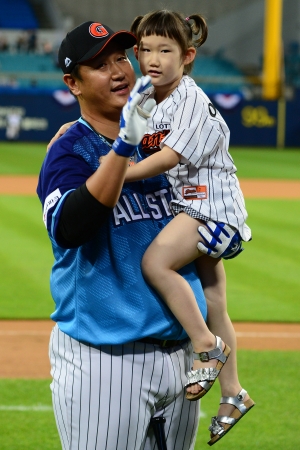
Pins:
x: 263, y: 283
x: 267, y: 163
x: 26, y: 158
x: 26, y: 417
x: 271, y: 425
x: 25, y: 259
x: 21, y: 158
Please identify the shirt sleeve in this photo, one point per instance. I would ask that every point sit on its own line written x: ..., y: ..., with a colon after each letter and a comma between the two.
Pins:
x: 64, y: 173
x: 195, y: 133
x: 80, y: 219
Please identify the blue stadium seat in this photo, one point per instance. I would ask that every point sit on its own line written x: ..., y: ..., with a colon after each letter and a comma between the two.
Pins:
x: 31, y: 69
x: 23, y: 62
x: 209, y: 72
x: 17, y: 14
x: 214, y: 68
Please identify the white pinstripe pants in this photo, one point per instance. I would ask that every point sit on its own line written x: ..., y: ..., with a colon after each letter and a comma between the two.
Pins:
x: 103, y: 399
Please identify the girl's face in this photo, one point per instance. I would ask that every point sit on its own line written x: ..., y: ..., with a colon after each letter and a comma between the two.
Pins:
x: 161, y: 58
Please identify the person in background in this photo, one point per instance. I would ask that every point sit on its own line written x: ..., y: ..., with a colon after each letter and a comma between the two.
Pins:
x: 13, y: 124
x: 4, y: 46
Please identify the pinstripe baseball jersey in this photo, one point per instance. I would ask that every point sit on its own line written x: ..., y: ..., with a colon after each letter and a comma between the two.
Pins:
x: 99, y: 292
x: 205, y: 178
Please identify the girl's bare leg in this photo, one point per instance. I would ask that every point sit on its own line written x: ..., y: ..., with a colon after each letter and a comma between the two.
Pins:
x: 212, y: 274
x: 173, y: 248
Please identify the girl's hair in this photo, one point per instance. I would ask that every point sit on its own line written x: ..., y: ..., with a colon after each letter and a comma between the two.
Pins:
x: 173, y: 25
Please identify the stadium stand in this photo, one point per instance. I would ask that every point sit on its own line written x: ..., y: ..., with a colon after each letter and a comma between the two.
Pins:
x: 212, y: 73
x: 212, y: 70
x: 29, y: 70
x: 40, y: 70
x: 17, y: 14
x: 216, y: 74
x: 292, y: 64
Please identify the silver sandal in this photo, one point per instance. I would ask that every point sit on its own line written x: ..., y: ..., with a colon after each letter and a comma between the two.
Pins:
x: 207, y: 376
x: 220, y: 425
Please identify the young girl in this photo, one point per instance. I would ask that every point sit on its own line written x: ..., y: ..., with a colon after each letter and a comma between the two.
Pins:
x: 188, y: 139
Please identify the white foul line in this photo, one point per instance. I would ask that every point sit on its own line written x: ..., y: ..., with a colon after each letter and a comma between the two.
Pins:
x: 25, y: 408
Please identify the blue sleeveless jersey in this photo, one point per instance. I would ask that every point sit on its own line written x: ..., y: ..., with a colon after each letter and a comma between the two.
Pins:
x: 98, y: 288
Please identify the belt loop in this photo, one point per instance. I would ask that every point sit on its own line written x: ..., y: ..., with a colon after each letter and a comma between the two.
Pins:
x: 164, y: 343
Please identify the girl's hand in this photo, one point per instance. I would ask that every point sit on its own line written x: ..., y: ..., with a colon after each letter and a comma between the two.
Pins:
x: 60, y: 132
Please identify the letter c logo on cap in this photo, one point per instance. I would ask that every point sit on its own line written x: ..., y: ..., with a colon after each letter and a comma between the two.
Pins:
x: 98, y: 31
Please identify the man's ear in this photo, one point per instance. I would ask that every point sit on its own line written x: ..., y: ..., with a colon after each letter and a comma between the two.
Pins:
x: 136, y: 51
x: 72, y: 84
x: 189, y: 55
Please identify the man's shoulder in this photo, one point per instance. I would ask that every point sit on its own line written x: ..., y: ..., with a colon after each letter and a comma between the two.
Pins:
x: 66, y: 141
x: 81, y: 140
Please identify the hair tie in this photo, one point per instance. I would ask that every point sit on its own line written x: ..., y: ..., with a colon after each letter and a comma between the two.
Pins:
x: 187, y: 18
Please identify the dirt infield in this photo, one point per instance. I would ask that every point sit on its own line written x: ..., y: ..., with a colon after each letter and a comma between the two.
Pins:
x: 24, y: 344
x: 26, y: 185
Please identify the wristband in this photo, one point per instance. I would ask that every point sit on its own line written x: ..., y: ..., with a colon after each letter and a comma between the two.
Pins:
x: 121, y: 148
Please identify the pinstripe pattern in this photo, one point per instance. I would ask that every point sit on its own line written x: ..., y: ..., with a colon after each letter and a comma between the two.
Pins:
x: 104, y: 397
x: 195, y: 130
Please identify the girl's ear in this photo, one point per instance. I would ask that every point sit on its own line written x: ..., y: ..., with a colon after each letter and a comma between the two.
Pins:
x: 136, y: 51
x: 189, y: 55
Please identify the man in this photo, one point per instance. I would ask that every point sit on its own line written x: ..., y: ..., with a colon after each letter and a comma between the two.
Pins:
x: 118, y: 356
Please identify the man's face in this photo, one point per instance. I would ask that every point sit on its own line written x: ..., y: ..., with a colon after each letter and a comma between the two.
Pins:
x: 106, y: 81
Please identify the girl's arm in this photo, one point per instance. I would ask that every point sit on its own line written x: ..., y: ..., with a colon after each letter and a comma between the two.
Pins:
x: 154, y: 165
x: 60, y: 132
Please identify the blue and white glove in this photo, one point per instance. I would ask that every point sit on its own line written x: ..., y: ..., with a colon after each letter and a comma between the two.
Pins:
x: 133, y: 120
x: 221, y: 241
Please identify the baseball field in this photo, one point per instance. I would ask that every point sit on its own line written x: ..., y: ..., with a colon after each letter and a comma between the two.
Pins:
x: 263, y: 286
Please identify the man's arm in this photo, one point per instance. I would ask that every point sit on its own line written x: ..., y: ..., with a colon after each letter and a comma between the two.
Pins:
x: 102, y: 189
x: 154, y: 165
x: 80, y: 218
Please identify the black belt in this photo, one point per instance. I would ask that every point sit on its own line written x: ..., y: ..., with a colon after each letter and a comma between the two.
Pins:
x: 162, y: 343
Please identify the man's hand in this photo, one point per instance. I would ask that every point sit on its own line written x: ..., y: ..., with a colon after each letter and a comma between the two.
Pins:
x: 221, y: 241
x: 133, y: 120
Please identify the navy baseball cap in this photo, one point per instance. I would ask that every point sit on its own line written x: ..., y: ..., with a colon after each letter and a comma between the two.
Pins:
x: 88, y: 40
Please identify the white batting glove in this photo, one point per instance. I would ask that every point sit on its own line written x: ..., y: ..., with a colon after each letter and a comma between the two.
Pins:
x: 133, y: 120
x: 221, y: 241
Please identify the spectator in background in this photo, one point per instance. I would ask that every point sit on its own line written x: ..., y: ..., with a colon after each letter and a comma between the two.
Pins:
x: 4, y: 47
x: 22, y: 43
x: 32, y: 41
x: 47, y: 48
x: 13, y: 124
